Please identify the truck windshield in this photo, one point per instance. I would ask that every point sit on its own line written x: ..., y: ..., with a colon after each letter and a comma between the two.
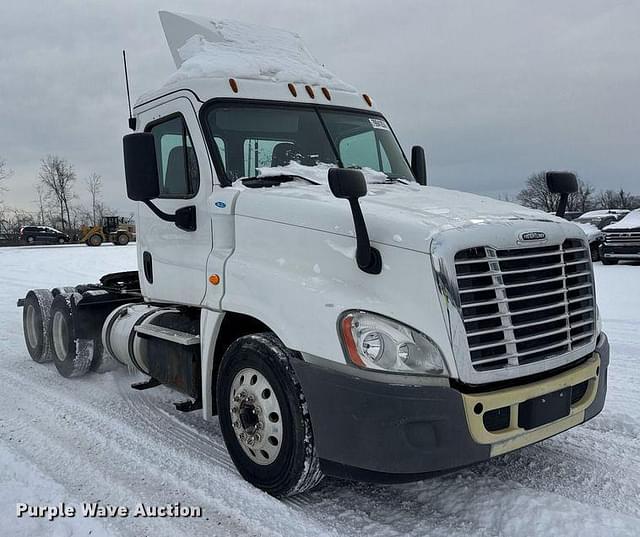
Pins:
x: 249, y: 137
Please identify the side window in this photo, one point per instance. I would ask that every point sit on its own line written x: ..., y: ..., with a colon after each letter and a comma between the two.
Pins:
x: 177, y: 164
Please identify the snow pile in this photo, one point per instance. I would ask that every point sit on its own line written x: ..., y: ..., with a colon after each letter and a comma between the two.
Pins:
x: 228, y: 48
x: 591, y: 231
x: 318, y: 173
x: 632, y: 220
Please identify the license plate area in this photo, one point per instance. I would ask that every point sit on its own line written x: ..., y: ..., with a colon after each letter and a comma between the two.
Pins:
x: 544, y: 409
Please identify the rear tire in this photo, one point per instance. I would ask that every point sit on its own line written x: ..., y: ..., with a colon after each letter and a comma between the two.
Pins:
x: 35, y: 324
x: 31, y: 240
x: 72, y: 357
x: 61, y: 240
x: 278, y: 452
x: 122, y: 239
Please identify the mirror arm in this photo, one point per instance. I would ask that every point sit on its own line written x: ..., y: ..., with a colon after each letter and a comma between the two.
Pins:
x: 160, y: 214
x: 562, y: 204
x: 184, y: 218
x: 368, y: 258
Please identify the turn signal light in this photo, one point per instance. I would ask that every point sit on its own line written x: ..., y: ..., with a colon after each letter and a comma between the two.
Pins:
x: 214, y: 279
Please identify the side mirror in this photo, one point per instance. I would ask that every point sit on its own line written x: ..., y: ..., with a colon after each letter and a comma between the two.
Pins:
x: 351, y: 185
x: 140, y: 166
x: 347, y: 184
x: 143, y: 182
x: 563, y: 183
x: 419, y: 164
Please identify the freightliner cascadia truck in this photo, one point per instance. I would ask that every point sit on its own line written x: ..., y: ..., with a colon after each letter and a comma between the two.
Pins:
x: 299, y: 281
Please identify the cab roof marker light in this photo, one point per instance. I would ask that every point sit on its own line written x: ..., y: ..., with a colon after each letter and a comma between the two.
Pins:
x: 292, y: 89
x: 325, y: 92
x: 367, y: 99
x: 234, y: 85
x: 310, y: 91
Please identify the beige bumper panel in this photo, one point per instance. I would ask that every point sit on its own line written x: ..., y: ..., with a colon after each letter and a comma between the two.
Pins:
x: 514, y: 437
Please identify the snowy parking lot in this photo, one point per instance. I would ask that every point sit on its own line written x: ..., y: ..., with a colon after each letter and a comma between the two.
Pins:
x: 94, y: 439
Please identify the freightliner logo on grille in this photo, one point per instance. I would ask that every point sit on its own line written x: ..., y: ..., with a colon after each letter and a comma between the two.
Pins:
x: 533, y: 236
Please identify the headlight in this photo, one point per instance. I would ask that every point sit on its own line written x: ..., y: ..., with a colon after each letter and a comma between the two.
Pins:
x: 375, y: 342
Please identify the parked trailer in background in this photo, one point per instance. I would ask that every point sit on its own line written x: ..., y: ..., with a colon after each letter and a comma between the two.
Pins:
x: 298, y: 279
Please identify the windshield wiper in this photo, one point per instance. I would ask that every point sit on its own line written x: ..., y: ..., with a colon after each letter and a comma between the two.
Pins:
x: 266, y: 181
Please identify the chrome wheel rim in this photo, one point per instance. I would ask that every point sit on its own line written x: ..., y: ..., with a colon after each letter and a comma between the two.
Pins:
x: 32, y: 328
x: 60, y: 335
x: 256, y: 416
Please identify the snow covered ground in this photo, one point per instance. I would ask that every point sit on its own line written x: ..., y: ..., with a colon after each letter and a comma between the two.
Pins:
x: 94, y: 439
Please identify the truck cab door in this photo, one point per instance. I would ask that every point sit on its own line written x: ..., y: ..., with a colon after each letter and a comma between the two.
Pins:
x: 172, y: 262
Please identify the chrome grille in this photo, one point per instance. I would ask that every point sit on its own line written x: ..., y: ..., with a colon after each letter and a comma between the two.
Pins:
x: 525, y: 305
x: 622, y: 238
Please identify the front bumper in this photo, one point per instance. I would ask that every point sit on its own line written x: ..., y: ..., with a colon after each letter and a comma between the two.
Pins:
x: 384, y: 431
x: 620, y: 251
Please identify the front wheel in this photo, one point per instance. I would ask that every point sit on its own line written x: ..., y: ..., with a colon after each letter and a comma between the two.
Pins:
x: 94, y: 240
x: 264, y: 418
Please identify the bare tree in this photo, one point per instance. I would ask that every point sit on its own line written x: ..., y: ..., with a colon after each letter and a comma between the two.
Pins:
x: 618, y: 199
x: 536, y: 194
x: 58, y: 177
x: 94, y: 187
x: 5, y: 173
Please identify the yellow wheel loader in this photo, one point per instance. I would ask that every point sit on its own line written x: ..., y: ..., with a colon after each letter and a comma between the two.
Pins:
x: 111, y: 229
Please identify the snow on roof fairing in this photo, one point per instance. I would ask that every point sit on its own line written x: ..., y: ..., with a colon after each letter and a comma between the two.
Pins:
x: 202, y: 48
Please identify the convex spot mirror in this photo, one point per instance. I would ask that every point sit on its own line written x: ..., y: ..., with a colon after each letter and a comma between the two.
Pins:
x: 562, y: 182
x: 140, y: 166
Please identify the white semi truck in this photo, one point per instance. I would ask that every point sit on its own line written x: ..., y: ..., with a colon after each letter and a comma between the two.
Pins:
x: 298, y: 280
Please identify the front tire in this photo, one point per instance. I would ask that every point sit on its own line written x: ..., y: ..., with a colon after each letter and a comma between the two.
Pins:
x: 264, y: 418
x: 35, y: 323
x: 94, y: 240
x: 71, y: 356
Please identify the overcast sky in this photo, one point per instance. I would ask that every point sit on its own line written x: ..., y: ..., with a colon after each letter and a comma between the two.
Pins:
x: 493, y: 90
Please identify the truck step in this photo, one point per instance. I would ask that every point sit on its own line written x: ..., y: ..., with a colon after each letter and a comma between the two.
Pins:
x: 151, y: 383
x: 168, y: 334
x: 188, y: 405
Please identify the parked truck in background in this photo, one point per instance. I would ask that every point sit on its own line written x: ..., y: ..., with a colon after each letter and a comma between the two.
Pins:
x: 622, y: 239
x: 298, y: 280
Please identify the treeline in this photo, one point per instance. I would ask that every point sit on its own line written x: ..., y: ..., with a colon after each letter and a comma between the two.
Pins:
x: 536, y: 195
x: 57, y: 201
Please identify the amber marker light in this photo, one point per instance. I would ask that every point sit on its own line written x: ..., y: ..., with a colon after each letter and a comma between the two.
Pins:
x: 234, y: 85
x: 214, y: 279
x: 367, y: 99
x: 326, y: 93
x: 293, y: 90
x: 349, y: 342
x: 310, y: 91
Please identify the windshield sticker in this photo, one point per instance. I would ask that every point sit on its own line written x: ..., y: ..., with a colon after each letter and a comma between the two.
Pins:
x: 378, y: 123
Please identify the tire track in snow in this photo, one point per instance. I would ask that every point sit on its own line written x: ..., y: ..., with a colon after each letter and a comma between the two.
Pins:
x: 112, y: 447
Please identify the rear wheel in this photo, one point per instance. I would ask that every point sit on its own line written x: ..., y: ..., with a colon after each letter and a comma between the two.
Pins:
x: 31, y: 240
x: 60, y: 240
x: 122, y: 239
x: 72, y: 357
x: 94, y: 240
x: 35, y: 323
x: 264, y: 418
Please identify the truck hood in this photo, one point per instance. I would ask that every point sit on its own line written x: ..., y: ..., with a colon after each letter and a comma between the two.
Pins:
x: 405, y: 216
